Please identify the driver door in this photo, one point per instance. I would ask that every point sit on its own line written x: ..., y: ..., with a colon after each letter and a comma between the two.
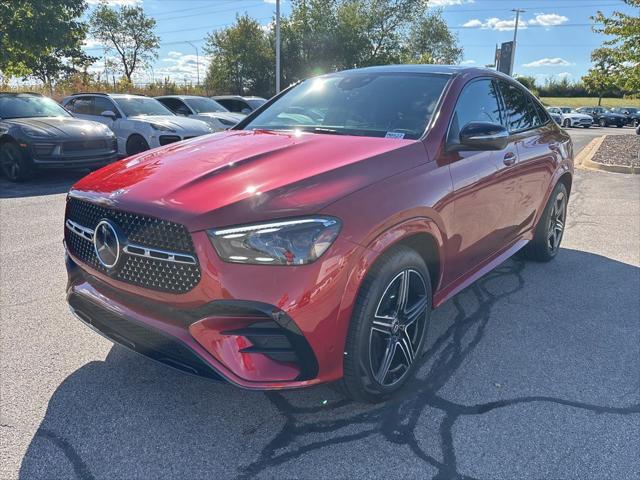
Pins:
x: 481, y: 201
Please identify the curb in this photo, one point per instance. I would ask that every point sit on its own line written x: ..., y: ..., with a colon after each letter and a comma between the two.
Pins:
x: 583, y: 160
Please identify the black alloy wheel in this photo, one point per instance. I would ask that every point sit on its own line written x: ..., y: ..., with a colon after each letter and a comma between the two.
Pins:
x: 550, y: 229
x: 388, y: 326
x: 14, y: 163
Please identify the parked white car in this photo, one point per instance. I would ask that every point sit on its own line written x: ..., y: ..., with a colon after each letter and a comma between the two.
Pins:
x: 571, y: 118
x: 139, y: 122
x: 201, y: 108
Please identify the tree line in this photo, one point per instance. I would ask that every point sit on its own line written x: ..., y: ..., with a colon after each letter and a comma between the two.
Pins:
x: 43, y: 40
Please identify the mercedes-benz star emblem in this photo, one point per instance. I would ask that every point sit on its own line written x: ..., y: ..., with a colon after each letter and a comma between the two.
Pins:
x: 106, y: 244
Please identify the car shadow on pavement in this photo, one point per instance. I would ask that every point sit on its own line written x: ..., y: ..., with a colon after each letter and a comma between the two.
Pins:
x: 44, y: 183
x: 522, y: 365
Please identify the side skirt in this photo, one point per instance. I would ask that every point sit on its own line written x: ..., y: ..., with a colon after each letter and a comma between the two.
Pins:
x: 485, y: 267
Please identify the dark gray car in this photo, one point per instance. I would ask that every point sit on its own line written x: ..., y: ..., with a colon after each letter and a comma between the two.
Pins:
x: 37, y: 133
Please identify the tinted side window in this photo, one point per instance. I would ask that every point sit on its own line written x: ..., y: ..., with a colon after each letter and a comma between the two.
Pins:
x: 226, y: 104
x: 519, y: 110
x: 171, y: 103
x: 478, y: 102
x: 543, y: 115
x: 101, y: 104
x: 81, y: 105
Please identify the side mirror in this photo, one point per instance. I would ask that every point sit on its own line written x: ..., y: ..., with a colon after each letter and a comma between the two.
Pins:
x: 109, y: 114
x: 245, y: 111
x: 482, y: 136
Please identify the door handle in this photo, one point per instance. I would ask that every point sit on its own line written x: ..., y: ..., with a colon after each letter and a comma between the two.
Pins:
x: 509, y: 158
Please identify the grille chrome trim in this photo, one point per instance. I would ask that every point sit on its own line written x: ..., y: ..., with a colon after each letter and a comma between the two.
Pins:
x: 78, y: 229
x: 136, y: 250
x: 158, y: 254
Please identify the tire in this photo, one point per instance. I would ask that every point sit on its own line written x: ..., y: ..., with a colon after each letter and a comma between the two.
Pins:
x: 619, y: 125
x: 15, y: 164
x: 136, y: 144
x: 602, y: 122
x: 566, y: 123
x: 383, y: 346
x: 547, y: 237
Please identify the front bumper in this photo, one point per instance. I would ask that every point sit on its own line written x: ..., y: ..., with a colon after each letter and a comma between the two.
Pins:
x: 265, y: 328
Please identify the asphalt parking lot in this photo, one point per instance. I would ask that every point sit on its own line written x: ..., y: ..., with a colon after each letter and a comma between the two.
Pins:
x: 533, y: 372
x: 582, y: 136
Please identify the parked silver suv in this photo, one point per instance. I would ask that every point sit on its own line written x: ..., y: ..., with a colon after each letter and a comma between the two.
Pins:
x: 139, y: 122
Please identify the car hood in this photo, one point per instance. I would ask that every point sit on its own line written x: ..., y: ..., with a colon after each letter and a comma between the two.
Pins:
x: 578, y: 116
x: 231, y: 116
x: 174, y: 122
x: 240, y: 176
x: 62, y: 127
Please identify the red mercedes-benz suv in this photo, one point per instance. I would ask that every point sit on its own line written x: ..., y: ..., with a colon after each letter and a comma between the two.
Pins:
x: 309, y: 243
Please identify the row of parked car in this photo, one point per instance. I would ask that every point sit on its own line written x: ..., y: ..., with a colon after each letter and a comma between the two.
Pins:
x: 92, y: 129
x: 587, y: 116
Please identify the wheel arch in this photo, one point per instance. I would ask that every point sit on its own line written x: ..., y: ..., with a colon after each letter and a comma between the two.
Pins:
x: 567, y: 180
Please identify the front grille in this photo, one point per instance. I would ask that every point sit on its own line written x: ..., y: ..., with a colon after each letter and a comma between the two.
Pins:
x: 153, y: 273
x: 142, y: 339
x: 167, y: 139
x: 81, y: 145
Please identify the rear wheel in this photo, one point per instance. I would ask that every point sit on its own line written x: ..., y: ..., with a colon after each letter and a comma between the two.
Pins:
x: 388, y: 326
x: 136, y: 144
x: 550, y: 229
x: 15, y: 164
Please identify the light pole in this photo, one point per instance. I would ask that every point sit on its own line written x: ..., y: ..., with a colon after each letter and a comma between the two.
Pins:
x: 515, y: 37
x: 277, y: 46
x: 197, y: 63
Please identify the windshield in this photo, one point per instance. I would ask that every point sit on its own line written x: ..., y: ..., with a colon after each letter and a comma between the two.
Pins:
x: 397, y: 105
x: 568, y: 110
x: 29, y: 107
x: 204, y: 105
x: 133, y: 106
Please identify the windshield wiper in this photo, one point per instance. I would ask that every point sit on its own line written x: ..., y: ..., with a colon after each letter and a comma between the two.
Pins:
x: 323, y: 130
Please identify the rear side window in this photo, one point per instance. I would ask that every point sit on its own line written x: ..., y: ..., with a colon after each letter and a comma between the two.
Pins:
x: 520, y: 113
x: 172, y: 104
x: 478, y: 102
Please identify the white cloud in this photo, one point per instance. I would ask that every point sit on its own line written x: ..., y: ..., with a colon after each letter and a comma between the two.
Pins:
x: 467, y: 62
x: 548, y: 62
x: 182, y: 66
x: 474, y: 23
x: 548, y: 19
x: 448, y: 3
x: 91, y: 43
x: 500, y: 24
x: 115, y: 3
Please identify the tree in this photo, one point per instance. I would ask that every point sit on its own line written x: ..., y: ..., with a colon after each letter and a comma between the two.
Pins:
x: 41, y: 38
x: 129, y: 32
x: 241, y: 59
x: 431, y: 41
x: 623, y: 49
x: 601, y: 77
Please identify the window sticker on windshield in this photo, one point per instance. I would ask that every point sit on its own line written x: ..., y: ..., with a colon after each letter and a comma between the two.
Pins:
x: 394, y: 135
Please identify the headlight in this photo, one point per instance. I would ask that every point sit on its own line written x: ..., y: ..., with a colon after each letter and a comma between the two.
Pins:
x: 291, y: 242
x: 227, y: 123
x: 34, y: 132
x: 162, y: 128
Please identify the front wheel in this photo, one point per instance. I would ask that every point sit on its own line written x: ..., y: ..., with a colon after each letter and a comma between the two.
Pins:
x: 566, y: 123
x: 15, y: 164
x: 136, y: 144
x: 388, y: 325
x: 602, y: 122
x: 550, y: 229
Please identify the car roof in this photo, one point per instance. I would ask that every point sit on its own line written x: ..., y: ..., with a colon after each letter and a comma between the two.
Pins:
x: 181, y: 96
x: 114, y: 95
x: 419, y: 68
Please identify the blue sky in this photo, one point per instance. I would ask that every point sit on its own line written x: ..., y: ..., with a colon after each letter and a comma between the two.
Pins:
x: 554, y: 38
